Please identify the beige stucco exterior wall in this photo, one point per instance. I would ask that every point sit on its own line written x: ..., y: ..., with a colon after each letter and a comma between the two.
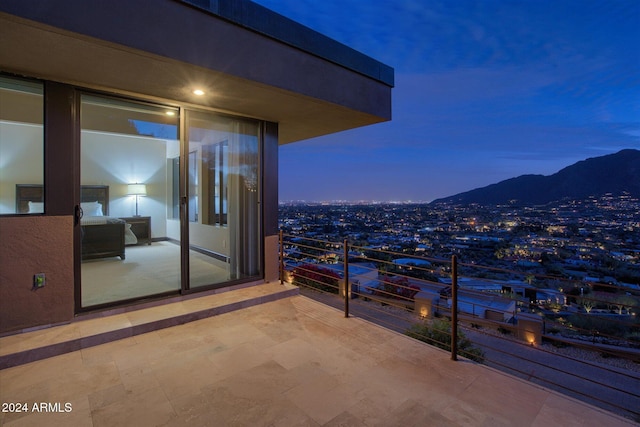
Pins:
x: 30, y: 245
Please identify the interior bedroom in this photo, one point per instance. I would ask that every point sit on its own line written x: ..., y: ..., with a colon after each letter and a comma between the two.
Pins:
x: 130, y: 195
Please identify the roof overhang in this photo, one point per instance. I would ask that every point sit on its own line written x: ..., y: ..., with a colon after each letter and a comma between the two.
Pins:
x: 164, y: 49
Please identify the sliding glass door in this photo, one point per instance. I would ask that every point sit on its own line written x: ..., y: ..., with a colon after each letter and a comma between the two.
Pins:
x: 130, y: 236
x: 222, y: 205
x: 167, y: 205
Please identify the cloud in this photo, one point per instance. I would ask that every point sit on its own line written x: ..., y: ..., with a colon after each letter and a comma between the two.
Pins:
x: 485, y: 90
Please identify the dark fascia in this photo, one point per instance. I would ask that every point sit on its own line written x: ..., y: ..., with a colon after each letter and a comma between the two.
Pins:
x: 259, y: 19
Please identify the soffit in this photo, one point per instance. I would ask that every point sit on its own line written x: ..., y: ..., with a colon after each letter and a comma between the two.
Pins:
x: 41, y: 51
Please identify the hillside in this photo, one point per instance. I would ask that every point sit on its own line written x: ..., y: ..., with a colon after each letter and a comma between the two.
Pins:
x: 614, y: 173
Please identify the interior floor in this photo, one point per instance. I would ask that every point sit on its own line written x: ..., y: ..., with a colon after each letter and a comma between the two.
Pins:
x: 147, y: 270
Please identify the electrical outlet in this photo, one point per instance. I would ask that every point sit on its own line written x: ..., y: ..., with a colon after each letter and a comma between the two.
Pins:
x: 38, y: 281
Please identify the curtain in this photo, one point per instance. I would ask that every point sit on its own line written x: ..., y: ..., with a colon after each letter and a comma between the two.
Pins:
x: 244, y: 196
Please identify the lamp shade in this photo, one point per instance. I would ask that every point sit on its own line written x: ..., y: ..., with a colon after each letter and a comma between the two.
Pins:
x: 137, y: 190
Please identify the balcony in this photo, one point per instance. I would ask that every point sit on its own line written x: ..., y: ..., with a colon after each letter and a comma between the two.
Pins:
x: 289, y: 361
x: 271, y: 355
x: 582, y: 344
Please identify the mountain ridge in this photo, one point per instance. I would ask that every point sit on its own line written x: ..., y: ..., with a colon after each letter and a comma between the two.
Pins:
x: 613, y: 173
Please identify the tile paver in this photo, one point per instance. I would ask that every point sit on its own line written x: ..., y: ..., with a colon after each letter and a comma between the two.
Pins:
x: 288, y: 362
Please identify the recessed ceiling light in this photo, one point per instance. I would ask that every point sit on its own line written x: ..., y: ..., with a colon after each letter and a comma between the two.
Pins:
x: 171, y: 113
x: 198, y: 92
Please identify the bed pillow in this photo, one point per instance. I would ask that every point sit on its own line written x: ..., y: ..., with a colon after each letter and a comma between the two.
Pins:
x: 36, y: 207
x: 91, y: 208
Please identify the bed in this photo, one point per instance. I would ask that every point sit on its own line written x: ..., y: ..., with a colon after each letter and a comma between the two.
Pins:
x: 102, y: 236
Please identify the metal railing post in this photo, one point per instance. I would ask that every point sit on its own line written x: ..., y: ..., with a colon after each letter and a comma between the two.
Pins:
x: 346, y: 279
x: 281, y: 258
x: 454, y: 307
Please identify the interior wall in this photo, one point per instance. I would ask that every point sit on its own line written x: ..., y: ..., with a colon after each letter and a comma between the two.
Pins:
x: 21, y: 160
x: 172, y: 223
x: 212, y: 237
x: 31, y: 245
x: 215, y: 238
x: 117, y: 160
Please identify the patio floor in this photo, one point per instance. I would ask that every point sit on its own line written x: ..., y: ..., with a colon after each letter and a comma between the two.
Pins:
x: 287, y: 361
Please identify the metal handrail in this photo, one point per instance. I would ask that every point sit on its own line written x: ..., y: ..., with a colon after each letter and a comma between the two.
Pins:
x: 399, y: 303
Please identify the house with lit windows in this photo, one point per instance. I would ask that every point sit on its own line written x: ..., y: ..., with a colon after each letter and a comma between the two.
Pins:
x: 139, y: 146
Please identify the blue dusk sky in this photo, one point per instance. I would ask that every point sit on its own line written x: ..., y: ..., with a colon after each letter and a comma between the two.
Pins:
x: 485, y: 90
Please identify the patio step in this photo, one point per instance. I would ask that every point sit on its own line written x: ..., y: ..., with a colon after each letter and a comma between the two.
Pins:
x: 99, y: 328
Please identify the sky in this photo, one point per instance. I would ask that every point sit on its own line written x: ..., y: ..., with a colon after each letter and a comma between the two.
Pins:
x: 485, y: 90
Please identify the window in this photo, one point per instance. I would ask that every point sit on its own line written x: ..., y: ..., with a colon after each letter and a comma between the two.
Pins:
x: 21, y: 147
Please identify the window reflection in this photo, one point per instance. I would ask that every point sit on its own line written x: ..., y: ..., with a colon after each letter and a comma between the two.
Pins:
x: 225, y: 179
x: 21, y: 147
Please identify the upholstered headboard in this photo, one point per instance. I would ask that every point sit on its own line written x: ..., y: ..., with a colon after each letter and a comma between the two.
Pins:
x: 34, y: 193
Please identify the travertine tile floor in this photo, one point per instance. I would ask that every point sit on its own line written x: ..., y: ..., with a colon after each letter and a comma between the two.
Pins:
x: 101, y: 327
x: 291, y: 362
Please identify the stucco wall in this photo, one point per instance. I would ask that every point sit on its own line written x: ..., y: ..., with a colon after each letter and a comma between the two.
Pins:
x: 271, y: 259
x: 30, y: 245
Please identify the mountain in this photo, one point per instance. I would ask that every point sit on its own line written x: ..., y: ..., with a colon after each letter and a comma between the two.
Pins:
x: 614, y: 173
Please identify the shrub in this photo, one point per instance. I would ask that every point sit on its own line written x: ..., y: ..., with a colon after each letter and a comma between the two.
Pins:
x: 553, y: 330
x: 438, y: 334
x: 634, y: 337
x: 504, y: 331
x: 588, y: 324
x: 555, y: 343
x: 397, y: 287
x: 314, y: 276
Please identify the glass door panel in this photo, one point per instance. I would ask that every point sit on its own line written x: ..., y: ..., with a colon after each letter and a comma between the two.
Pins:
x: 130, y: 234
x: 223, y: 198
